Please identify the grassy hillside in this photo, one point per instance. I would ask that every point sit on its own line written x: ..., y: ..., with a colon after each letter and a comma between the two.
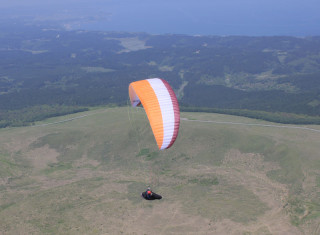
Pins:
x: 85, y: 176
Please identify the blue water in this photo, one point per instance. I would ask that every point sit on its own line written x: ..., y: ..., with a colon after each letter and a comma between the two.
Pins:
x: 212, y: 17
x: 204, y: 17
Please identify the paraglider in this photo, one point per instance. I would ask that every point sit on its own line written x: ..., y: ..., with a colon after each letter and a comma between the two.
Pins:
x: 162, y: 109
x: 149, y: 195
x: 161, y: 106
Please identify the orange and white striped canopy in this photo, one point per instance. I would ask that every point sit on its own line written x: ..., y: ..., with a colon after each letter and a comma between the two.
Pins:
x: 161, y: 106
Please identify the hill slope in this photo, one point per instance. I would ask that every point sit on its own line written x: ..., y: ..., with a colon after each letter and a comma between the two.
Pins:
x: 85, y: 176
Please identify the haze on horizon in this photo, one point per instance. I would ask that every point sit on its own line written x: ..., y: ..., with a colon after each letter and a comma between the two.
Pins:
x: 202, y: 17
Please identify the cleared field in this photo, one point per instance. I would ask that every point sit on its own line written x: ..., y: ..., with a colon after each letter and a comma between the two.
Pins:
x: 85, y: 176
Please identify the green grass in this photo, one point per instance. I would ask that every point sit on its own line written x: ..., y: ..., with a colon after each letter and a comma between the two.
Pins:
x: 221, y: 202
x: 204, y: 181
x: 105, y: 161
x: 60, y: 166
x: 143, y: 152
x: 7, y: 166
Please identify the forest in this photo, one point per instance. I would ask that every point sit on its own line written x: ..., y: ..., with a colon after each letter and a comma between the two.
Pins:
x: 50, y: 71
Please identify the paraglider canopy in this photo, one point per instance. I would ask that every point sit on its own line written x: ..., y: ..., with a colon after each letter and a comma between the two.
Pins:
x: 161, y: 106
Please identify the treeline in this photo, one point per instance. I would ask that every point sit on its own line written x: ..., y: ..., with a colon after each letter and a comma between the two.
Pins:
x: 273, y: 101
x: 29, y: 115
x: 278, y: 117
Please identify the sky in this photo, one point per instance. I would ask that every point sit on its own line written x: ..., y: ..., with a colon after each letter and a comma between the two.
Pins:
x: 192, y: 17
